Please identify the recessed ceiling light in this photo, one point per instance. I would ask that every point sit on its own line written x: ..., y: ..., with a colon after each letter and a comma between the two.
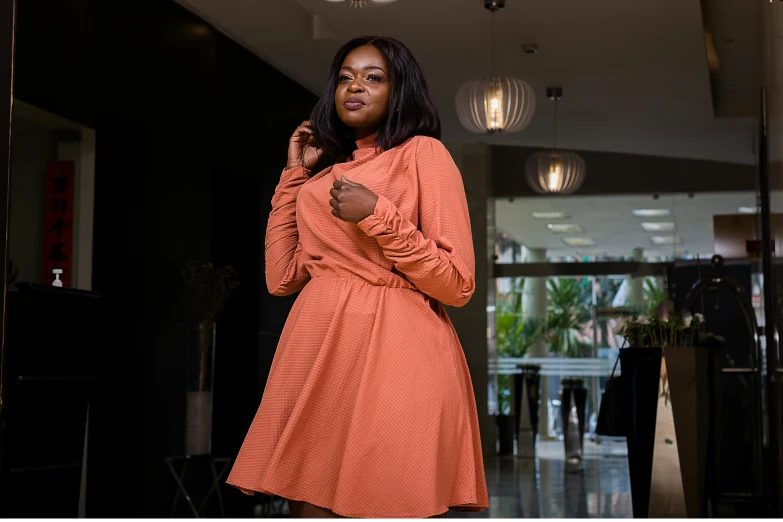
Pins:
x: 661, y: 226
x: 652, y: 212
x: 666, y: 240
x: 565, y: 228
x: 550, y: 215
x: 747, y: 210
x: 579, y: 241
x: 530, y: 48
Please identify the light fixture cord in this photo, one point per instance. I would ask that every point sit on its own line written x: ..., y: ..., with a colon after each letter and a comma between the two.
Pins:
x: 493, y: 63
x: 554, y: 126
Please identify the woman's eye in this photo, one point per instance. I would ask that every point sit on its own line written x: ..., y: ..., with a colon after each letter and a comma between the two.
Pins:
x: 374, y: 77
x: 345, y: 78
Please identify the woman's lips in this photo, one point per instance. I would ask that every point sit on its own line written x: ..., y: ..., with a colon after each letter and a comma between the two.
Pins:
x: 353, y: 103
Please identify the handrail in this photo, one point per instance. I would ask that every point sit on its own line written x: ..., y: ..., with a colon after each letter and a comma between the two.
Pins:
x: 555, y: 366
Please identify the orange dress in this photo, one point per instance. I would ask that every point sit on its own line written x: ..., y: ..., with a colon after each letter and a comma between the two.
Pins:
x: 369, y: 408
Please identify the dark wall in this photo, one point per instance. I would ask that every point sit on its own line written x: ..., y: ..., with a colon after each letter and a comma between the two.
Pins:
x: 191, y: 139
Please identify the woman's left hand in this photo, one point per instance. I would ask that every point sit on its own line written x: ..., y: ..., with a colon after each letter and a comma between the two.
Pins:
x: 351, y: 201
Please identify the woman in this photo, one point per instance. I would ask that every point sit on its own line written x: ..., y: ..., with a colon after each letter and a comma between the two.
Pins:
x: 369, y: 409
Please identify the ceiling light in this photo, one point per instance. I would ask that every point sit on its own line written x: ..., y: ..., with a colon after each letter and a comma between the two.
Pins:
x: 666, y: 240
x: 495, y: 104
x: 747, y: 210
x: 652, y: 212
x: 530, y: 48
x: 550, y: 215
x: 579, y: 241
x: 565, y: 228
x: 555, y: 171
x: 661, y: 226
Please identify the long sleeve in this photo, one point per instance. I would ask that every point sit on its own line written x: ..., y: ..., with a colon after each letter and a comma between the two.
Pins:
x: 438, y: 256
x: 282, y: 250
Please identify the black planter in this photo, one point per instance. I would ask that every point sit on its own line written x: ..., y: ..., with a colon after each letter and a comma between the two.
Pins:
x: 505, y: 427
x: 573, y: 438
x: 640, y: 378
x: 526, y: 388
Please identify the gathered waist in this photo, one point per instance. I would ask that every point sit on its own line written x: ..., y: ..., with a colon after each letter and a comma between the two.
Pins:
x: 383, y: 278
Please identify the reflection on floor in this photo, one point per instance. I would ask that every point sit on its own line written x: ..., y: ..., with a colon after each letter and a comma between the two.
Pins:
x: 547, y: 487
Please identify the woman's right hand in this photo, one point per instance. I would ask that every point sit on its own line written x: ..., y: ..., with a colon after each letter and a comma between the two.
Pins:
x: 302, y: 151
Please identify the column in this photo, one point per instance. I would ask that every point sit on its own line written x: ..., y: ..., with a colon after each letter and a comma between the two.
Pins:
x: 534, y: 307
x: 471, y: 321
x: 635, y: 297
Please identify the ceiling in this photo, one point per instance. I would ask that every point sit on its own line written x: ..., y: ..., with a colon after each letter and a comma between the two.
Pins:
x: 733, y: 32
x: 634, y: 74
x: 609, y: 220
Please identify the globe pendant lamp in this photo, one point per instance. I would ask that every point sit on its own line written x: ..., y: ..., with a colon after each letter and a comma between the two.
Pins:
x: 497, y: 104
x: 362, y: 3
x: 555, y: 171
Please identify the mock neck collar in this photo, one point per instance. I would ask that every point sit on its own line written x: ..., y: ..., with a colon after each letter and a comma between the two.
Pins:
x: 366, y: 143
x: 365, y: 149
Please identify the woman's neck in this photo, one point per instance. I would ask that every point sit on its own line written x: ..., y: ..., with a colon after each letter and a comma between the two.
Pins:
x: 360, y: 134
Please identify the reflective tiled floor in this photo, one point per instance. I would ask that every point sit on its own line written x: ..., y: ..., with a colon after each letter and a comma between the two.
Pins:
x: 548, y: 487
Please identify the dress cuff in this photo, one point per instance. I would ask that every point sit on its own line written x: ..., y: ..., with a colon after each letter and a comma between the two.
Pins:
x: 294, y: 173
x: 379, y: 222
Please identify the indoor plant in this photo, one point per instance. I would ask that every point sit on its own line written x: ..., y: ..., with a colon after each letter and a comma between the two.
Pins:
x: 209, y: 289
x: 643, y: 380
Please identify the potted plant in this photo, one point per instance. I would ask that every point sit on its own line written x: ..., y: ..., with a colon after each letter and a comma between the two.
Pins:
x: 644, y: 380
x: 504, y: 422
x: 686, y: 369
x: 515, y: 335
x: 573, y: 401
x: 509, y: 327
x: 527, y: 401
x: 209, y: 289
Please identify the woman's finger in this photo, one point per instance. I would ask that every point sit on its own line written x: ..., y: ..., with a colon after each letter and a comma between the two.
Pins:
x: 335, y: 194
x: 335, y: 204
x: 336, y: 214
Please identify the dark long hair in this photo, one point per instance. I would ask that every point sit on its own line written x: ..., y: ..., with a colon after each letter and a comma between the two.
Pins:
x: 411, y: 110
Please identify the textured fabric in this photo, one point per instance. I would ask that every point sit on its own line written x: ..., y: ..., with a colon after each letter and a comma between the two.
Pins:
x: 369, y: 408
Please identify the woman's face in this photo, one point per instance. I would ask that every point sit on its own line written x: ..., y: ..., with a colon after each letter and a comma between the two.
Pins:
x: 362, y: 95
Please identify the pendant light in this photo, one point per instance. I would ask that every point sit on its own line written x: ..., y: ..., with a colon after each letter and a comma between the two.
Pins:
x: 555, y: 171
x: 497, y: 104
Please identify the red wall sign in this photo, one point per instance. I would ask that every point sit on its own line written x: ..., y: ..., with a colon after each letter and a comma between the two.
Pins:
x: 58, y: 221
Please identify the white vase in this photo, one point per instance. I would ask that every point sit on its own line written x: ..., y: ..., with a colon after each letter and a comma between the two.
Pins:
x: 198, y: 423
x: 198, y: 397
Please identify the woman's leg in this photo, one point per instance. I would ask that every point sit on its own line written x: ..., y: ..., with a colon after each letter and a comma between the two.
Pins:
x: 301, y: 509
